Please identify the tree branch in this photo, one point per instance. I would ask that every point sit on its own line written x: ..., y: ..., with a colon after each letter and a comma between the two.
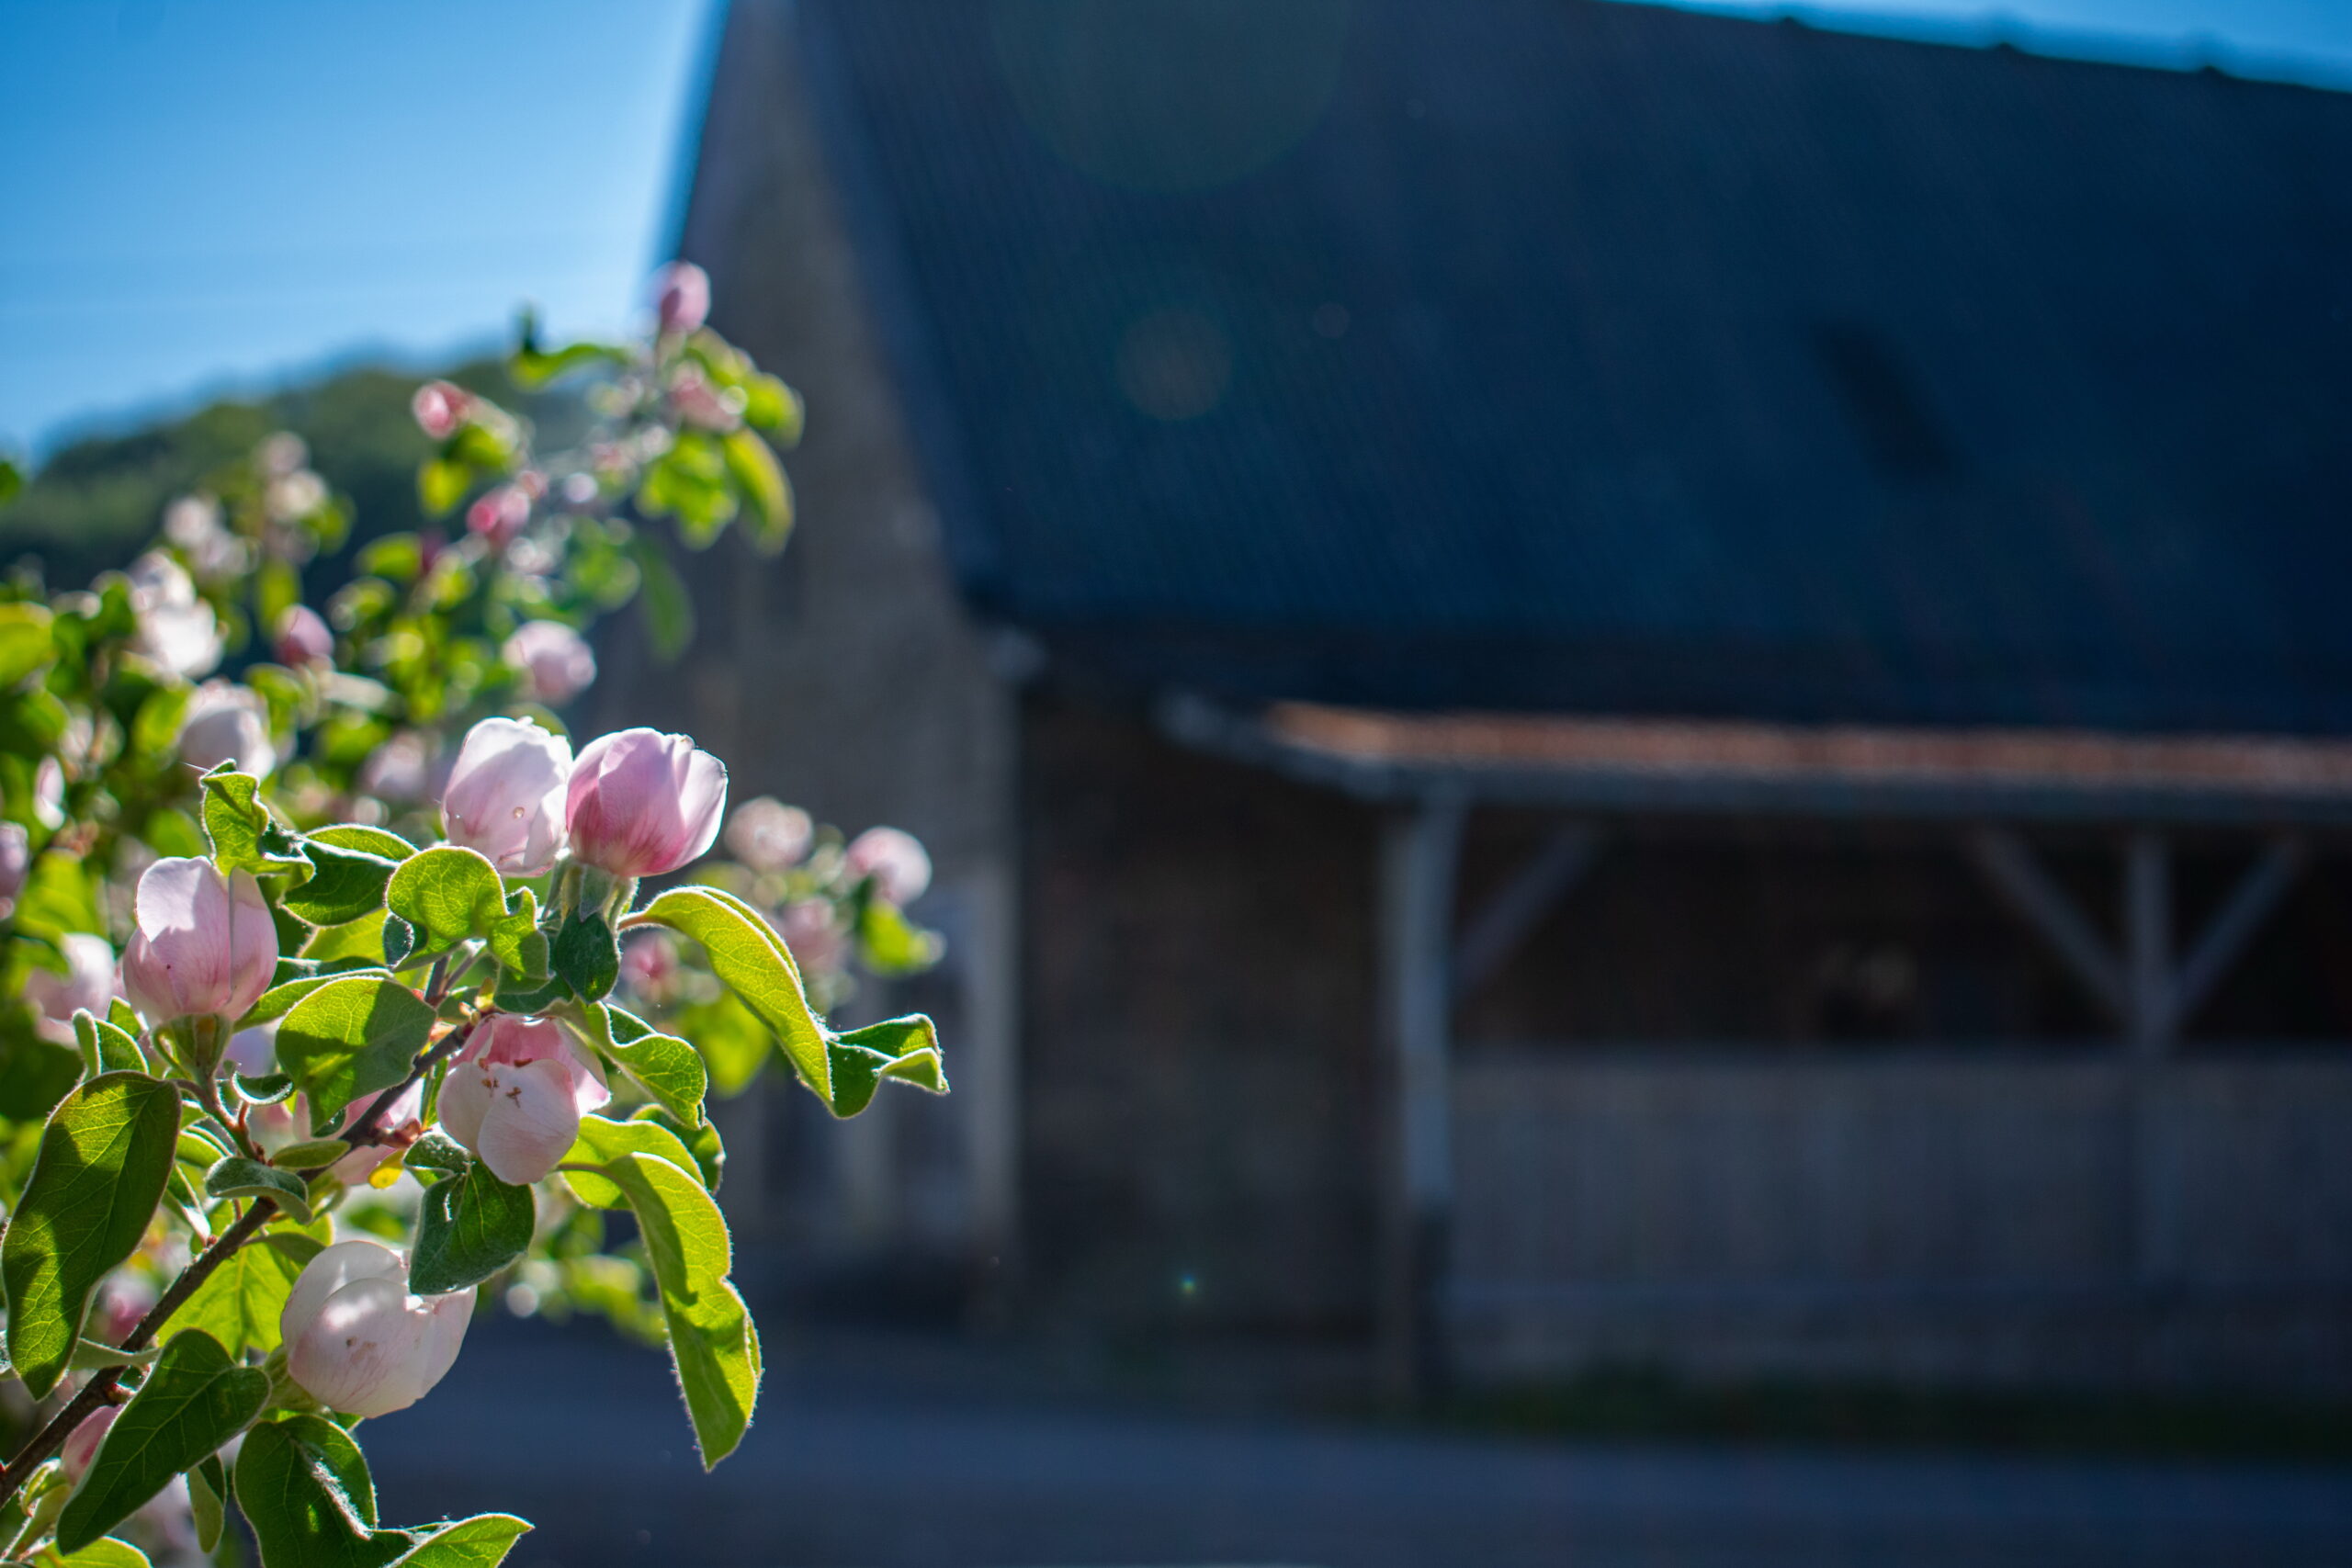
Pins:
x: 100, y: 1389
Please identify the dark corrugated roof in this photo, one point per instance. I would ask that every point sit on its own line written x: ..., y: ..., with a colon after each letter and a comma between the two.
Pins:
x: 1587, y: 357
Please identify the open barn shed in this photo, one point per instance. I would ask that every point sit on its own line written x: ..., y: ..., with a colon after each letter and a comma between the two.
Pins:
x: 1592, y: 685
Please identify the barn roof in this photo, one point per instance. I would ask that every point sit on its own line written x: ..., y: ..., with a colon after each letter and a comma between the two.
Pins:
x: 1566, y: 355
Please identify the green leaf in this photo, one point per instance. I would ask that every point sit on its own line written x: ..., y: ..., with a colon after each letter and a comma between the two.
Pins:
x: 269, y: 1089
x: 362, y: 938
x: 346, y: 884
x: 515, y: 939
x: 105, y: 1048
x: 352, y: 1037
x: 244, y: 836
x: 311, y: 1154
x: 105, y: 1159
x: 238, y: 1176
x: 892, y: 944
x: 903, y: 1048
x: 12, y: 480
x: 482, y: 1541
x: 34, y: 1075
x: 120, y: 1015
x: 398, y: 939
x: 586, y: 956
x: 746, y: 952
x: 208, y: 1501
x: 702, y: 1143
x: 712, y: 1342
x: 240, y: 1302
x: 438, y: 1151
x: 106, y: 1553
x: 662, y: 1064
x: 772, y: 406
x: 197, y: 1398
x: 25, y: 641
x: 367, y: 841
x: 279, y: 1001
x: 734, y: 1043
x: 304, y: 1486
x: 448, y: 893
x: 157, y: 723
x: 472, y: 1226
x: 441, y: 484
x: 669, y: 610
x: 759, y: 478
x: 604, y: 1140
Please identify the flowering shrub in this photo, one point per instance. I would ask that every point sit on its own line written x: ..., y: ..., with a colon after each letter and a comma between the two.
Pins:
x: 319, y: 1025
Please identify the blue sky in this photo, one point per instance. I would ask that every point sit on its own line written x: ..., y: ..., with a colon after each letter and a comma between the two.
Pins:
x: 210, y: 194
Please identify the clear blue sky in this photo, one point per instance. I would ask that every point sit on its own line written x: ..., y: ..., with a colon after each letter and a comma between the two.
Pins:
x: 205, y: 193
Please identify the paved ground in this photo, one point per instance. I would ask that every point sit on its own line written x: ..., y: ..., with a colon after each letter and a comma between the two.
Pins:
x: 866, y: 1467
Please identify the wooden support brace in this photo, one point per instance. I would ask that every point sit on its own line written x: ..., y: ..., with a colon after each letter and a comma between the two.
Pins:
x: 1510, y: 917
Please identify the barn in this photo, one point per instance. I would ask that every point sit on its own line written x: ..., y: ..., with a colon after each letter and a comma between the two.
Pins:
x: 1593, y: 685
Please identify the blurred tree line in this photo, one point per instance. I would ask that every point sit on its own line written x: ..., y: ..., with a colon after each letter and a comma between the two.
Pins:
x: 94, y: 503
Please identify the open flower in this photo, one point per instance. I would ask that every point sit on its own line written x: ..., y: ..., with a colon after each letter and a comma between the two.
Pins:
x: 642, y: 803
x: 177, y: 629
x: 515, y: 1095
x: 357, y: 1341
x: 896, y: 862
x: 228, y: 722
x: 556, y: 661
x: 204, y: 942
x: 506, y: 794
x: 86, y: 985
x: 402, y: 1124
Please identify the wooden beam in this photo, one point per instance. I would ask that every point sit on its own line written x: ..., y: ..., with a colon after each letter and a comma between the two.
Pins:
x: 2037, y: 899
x: 2233, y: 926
x: 1510, y: 917
x: 1420, y: 850
x: 2147, y: 939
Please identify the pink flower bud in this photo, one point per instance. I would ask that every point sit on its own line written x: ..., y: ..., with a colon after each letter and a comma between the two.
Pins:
x: 767, y: 835
x: 497, y: 516
x: 642, y: 803
x: 86, y: 985
x: 204, y: 942
x: 699, y: 402
x: 505, y: 795
x: 401, y: 769
x: 813, y: 936
x: 649, y: 965
x: 440, y: 407
x: 515, y: 1095
x: 228, y: 722
x: 357, y: 1341
x: 556, y: 661
x: 15, y: 859
x: 81, y: 1442
x: 896, y: 862
x: 681, y: 297
x: 302, y: 636
x: 49, y: 793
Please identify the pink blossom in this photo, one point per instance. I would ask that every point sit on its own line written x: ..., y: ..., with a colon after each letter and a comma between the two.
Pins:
x: 650, y: 963
x: 302, y: 636
x: 699, y: 402
x: 402, y: 1124
x: 228, y: 722
x: 81, y: 1442
x: 357, y: 1341
x: 177, y: 629
x: 556, y: 661
x: 767, y: 835
x: 515, y: 1096
x: 15, y: 859
x: 896, y: 860
x: 497, y: 516
x: 87, y: 986
x: 401, y: 769
x: 813, y: 936
x: 681, y: 297
x: 440, y: 407
x: 642, y: 803
x: 204, y: 942
x: 506, y: 794
x: 49, y: 793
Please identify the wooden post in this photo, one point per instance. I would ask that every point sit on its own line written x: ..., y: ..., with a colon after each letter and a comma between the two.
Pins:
x: 1418, y: 852
x: 2147, y: 934
x: 2150, y: 1018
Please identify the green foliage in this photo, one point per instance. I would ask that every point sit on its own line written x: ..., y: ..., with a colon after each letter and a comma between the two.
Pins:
x: 351, y: 1037
x: 103, y: 1164
x: 712, y: 1342
x: 746, y: 953
x: 240, y: 1302
x: 197, y: 1398
x: 473, y: 1225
